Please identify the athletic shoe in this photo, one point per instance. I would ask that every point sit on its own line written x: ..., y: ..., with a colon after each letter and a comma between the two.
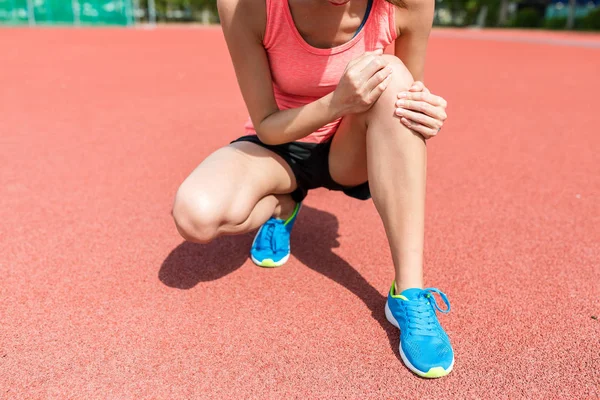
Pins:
x: 424, y: 346
x: 271, y: 246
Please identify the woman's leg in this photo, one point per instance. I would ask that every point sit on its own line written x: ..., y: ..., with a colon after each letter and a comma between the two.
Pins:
x: 233, y: 191
x: 376, y: 146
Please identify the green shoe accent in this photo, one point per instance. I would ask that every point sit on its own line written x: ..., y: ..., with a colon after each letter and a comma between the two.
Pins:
x: 296, y: 209
x: 393, y: 292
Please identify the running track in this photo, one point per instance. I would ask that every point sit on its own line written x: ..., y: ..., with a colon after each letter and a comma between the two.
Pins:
x: 101, y: 299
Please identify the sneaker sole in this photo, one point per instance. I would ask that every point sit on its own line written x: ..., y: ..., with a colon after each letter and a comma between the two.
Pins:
x: 268, y: 263
x: 435, y: 372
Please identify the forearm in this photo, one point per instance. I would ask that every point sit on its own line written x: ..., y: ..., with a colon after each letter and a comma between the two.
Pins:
x: 286, y: 126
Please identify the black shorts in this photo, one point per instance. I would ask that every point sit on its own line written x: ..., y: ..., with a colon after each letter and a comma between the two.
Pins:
x: 310, y: 164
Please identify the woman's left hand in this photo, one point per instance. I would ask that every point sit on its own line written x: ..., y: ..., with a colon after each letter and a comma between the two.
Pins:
x: 421, y: 111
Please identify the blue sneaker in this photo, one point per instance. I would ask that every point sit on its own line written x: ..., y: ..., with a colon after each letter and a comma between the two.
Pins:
x: 271, y: 246
x: 424, y: 346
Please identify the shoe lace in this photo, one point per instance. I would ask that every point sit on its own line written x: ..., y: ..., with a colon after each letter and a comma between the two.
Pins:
x: 271, y: 235
x: 421, y: 312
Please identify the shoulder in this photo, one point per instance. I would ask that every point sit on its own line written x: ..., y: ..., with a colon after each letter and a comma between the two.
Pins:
x: 250, y: 16
x: 413, y: 15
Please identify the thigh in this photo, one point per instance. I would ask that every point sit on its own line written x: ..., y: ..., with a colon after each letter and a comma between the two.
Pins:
x: 234, y: 178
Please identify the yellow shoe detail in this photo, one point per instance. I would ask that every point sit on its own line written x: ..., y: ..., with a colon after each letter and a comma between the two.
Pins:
x: 268, y: 263
x: 436, y: 372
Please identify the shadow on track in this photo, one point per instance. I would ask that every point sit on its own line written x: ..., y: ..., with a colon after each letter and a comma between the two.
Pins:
x: 314, y: 236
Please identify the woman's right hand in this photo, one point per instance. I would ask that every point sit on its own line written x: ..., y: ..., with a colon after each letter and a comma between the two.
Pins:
x: 364, y: 80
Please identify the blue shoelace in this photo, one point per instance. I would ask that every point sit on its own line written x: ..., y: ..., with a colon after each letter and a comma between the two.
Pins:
x: 420, y: 312
x: 271, y: 235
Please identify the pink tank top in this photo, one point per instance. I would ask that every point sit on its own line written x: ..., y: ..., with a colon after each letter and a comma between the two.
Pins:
x: 302, y: 73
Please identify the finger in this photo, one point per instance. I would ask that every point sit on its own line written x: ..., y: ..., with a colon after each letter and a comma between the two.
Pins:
x: 417, y: 86
x: 373, y: 66
x: 379, y: 69
x: 374, y: 62
x: 423, y: 107
x: 416, y: 117
x: 424, y: 131
x: 376, y: 79
x: 432, y: 99
x: 368, y: 54
x: 376, y: 92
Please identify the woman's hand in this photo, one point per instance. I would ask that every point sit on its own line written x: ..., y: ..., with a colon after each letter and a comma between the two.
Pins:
x: 421, y: 111
x: 364, y: 80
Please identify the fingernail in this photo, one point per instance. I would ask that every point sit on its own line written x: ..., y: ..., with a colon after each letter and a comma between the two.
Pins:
x: 399, y: 111
x: 389, y: 69
x: 400, y: 103
x: 402, y: 95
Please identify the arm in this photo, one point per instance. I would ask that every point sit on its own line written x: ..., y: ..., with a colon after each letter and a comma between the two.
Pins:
x: 419, y: 110
x: 414, y: 26
x: 243, y: 23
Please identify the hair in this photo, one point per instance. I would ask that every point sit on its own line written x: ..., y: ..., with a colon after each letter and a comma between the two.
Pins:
x: 397, y: 3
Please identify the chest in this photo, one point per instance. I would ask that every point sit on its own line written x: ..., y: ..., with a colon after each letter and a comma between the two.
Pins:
x: 307, y: 74
x: 310, y: 59
x: 324, y: 26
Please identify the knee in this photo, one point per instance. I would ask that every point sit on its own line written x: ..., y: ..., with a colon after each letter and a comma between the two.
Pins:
x: 199, y: 214
x: 383, y: 111
x: 196, y: 214
x: 401, y: 79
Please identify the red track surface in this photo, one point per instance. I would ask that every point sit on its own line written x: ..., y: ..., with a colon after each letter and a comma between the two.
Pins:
x: 101, y: 299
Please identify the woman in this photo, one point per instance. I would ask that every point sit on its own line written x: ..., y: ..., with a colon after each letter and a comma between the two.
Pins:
x: 329, y: 109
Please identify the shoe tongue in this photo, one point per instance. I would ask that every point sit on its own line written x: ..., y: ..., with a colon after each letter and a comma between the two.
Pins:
x: 412, y: 293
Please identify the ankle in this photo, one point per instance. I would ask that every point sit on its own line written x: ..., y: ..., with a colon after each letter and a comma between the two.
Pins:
x: 401, y: 286
x: 285, y: 208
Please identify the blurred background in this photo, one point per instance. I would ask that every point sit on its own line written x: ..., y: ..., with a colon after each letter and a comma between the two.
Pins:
x: 548, y: 14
